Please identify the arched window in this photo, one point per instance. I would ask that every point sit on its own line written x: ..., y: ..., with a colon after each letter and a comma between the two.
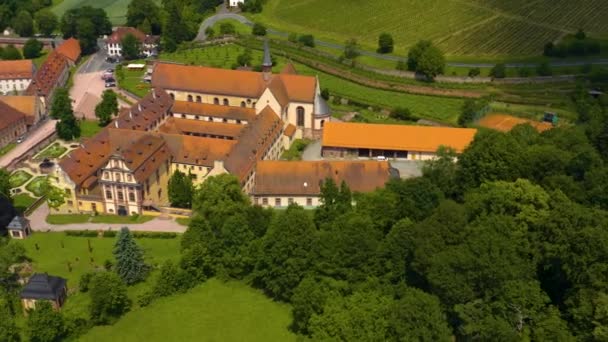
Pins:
x: 300, y: 116
x: 216, y: 101
x: 322, y: 123
x: 226, y: 103
x: 243, y: 104
x: 199, y: 99
x: 172, y: 96
x: 189, y: 98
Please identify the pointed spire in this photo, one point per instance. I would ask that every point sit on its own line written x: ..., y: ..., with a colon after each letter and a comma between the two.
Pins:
x: 267, y: 61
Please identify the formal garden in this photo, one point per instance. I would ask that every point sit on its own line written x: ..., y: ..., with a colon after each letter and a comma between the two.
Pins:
x: 55, y: 150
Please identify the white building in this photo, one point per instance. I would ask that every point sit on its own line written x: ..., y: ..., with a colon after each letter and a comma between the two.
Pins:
x: 15, y: 76
x: 235, y: 3
x: 149, y: 43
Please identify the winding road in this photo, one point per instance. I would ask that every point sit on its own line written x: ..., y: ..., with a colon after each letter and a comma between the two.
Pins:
x: 209, y: 22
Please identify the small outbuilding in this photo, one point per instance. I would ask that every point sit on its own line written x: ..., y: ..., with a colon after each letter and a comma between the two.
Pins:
x: 19, y: 228
x: 42, y: 286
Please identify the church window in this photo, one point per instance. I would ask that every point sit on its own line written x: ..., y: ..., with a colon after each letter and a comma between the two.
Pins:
x: 300, y: 116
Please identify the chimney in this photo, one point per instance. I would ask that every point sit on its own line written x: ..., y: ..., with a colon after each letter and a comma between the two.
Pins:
x: 218, y: 165
x: 154, y: 94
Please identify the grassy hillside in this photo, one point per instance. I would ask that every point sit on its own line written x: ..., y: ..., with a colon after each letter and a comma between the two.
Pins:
x: 485, y: 28
x: 214, y: 311
x: 116, y: 9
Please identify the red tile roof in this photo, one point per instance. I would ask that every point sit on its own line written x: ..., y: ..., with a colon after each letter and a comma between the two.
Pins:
x: 120, y: 32
x: 70, y: 49
x: 205, y: 109
x: 19, y: 69
x: 47, y: 77
x: 9, y: 116
x: 304, y: 178
x: 200, y: 128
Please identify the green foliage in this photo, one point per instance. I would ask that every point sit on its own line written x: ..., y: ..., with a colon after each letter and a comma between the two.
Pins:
x: 55, y: 197
x: 426, y: 59
x: 9, y: 331
x: 472, y: 110
x: 218, y: 198
x: 45, y: 324
x: 498, y: 71
x: 252, y: 6
x: 181, y: 190
x: 131, y: 47
x: 258, y: 29
x: 144, y: 14
x: 334, y: 202
x: 5, y: 183
x: 46, y: 21
x: 286, y: 249
x: 417, y: 316
x: 24, y: 24
x: 85, y: 281
x: 544, y: 69
x: 32, y: 48
x: 401, y: 113
x: 227, y: 28
x: 109, y: 298
x: 245, y: 58
x: 86, y: 24
x: 10, y: 53
x: 474, y: 72
x: 351, y: 49
x: 130, y: 264
x: 307, y: 40
x: 385, y: 43
x: 296, y: 149
x: 107, y: 108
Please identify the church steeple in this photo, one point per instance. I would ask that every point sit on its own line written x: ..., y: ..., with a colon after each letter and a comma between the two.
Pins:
x: 267, y: 61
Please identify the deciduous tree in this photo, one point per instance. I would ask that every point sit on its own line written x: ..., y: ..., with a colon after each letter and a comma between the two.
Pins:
x: 24, y: 24
x: 426, y: 59
x: 180, y: 190
x: 385, y: 43
x: 46, y: 21
x: 141, y: 11
x: 107, y: 108
x: 32, y: 48
x: 131, y: 47
x: 109, y: 298
x: 45, y: 324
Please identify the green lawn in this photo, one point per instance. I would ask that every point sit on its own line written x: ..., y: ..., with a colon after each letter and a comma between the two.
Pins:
x: 116, y: 9
x: 131, y: 80
x: 18, y: 178
x: 184, y: 221
x: 479, y: 28
x: 214, y: 311
x: 217, y: 56
x: 53, y: 151
x: 23, y: 201
x: 238, y: 26
x: 55, y: 250
x: 121, y: 219
x: 4, y: 150
x: 67, y: 219
x: 89, y: 128
x: 35, y: 185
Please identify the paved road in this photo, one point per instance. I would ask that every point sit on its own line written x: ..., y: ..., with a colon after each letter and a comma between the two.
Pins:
x: 38, y: 223
x: 222, y: 16
x: 32, y: 138
x: 97, y: 62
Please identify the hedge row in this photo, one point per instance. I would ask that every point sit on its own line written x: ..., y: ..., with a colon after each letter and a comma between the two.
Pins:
x: 113, y: 233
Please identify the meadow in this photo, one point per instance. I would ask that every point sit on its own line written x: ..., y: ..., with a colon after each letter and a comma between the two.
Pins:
x: 116, y: 9
x: 481, y: 28
x: 213, y: 311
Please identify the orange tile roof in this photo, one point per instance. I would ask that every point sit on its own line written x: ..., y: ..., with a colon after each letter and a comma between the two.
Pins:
x: 289, y: 68
x: 228, y: 112
x: 19, y: 69
x: 303, y: 178
x: 9, y: 116
x: 240, y: 83
x: 70, y: 49
x: 23, y: 103
x: 85, y: 161
x: 505, y: 123
x: 196, y: 150
x: 47, y: 77
x: 147, y: 113
x: 200, y: 128
x: 396, y: 137
x: 290, y: 130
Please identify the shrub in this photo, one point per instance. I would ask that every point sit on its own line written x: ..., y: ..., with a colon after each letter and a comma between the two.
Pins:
x: 401, y: 65
x: 325, y: 94
x: 499, y: 71
x: 210, y: 32
x: 258, y: 29
x: 544, y: 69
x: 227, y: 28
x: 385, y: 43
x: 293, y: 37
x: 109, y: 233
x: 85, y: 280
x: 81, y: 233
x: 474, y: 72
x: 401, y: 113
x: 307, y: 40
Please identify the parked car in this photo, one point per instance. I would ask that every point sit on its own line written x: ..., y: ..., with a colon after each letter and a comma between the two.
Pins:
x: 110, y: 70
x: 110, y: 84
x: 20, y: 139
x: 381, y: 158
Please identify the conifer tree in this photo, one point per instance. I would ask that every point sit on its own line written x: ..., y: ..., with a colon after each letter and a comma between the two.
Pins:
x: 130, y: 264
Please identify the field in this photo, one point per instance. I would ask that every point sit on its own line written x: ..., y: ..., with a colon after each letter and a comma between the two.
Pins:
x: 116, y: 9
x: 505, y: 123
x: 214, y: 311
x: 89, y: 128
x: 481, y: 28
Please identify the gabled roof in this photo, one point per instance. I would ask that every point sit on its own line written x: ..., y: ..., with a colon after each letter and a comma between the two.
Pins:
x: 200, y: 128
x: 43, y: 286
x: 289, y: 68
x: 19, y: 69
x: 48, y: 75
x: 120, y: 32
x: 304, y: 178
x: 228, y: 112
x: 18, y: 223
x: 247, y: 84
x: 70, y: 49
x: 23, y: 103
x: 146, y: 113
x: 196, y: 150
x: 83, y: 162
x: 9, y: 115
x: 396, y: 137
x: 253, y: 142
